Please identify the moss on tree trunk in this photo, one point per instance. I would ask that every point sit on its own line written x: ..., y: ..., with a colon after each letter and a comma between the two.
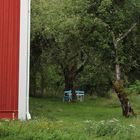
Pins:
x: 127, y: 110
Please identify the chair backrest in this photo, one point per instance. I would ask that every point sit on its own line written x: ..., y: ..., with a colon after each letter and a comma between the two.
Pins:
x: 79, y: 92
x: 68, y: 92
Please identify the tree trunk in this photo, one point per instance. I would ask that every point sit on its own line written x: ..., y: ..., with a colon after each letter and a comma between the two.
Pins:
x: 42, y: 86
x: 69, y: 80
x: 118, y: 72
x: 33, y: 85
x: 127, y: 110
x: 118, y: 84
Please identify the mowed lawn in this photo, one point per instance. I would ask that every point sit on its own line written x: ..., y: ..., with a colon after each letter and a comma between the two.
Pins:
x: 95, y: 118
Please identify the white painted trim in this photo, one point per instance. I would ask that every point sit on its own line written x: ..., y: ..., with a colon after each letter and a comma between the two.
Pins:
x: 28, y: 62
x: 24, y: 53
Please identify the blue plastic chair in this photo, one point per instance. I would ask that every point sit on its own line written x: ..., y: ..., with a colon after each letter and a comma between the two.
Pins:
x: 80, y: 95
x: 67, y: 95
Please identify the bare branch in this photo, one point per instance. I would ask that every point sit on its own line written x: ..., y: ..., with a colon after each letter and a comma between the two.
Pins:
x: 125, y: 34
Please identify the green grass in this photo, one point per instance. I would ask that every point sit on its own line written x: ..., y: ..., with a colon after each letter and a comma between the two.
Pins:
x: 91, y: 109
x: 93, y: 119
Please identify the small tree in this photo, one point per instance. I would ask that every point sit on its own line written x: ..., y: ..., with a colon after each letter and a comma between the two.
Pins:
x: 116, y: 19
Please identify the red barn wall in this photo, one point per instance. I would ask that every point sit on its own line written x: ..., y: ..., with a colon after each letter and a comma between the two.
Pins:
x: 9, y: 57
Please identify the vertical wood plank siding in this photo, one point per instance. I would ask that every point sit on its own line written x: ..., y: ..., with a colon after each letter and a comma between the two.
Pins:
x: 9, y: 57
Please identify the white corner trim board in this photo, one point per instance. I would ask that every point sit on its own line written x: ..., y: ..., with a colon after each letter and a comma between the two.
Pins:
x: 24, y: 61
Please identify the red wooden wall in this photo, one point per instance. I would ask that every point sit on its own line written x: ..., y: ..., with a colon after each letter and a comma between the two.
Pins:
x: 9, y: 57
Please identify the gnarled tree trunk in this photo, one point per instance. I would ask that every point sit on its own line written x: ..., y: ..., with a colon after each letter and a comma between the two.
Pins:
x: 127, y: 110
x: 69, y: 82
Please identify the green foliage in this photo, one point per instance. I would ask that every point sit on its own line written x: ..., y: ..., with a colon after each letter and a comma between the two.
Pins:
x: 135, y: 88
x: 64, y: 21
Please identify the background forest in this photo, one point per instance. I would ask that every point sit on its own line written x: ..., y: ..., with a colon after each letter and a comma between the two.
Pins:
x: 73, y: 46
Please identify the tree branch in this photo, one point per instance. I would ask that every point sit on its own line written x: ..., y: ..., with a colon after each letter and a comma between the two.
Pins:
x: 81, y: 66
x: 125, y: 34
x: 73, y: 57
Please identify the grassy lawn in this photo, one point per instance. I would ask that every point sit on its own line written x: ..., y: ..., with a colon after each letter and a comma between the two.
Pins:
x: 93, y: 119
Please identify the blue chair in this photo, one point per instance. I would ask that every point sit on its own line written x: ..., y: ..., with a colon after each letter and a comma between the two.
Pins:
x: 80, y: 95
x: 67, y: 95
